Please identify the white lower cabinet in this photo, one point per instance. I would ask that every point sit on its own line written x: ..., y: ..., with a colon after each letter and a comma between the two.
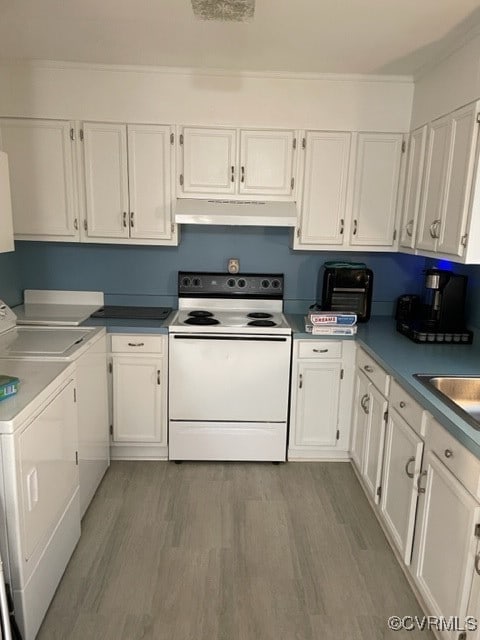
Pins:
x: 447, y: 537
x: 320, y: 399
x: 139, y: 396
x: 374, y: 441
x: 401, y: 466
x: 369, y: 420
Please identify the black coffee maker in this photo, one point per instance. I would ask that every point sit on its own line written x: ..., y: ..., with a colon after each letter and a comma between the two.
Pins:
x: 444, y: 300
x: 440, y: 317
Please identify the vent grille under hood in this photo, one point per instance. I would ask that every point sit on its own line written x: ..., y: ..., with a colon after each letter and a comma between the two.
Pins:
x: 236, y: 212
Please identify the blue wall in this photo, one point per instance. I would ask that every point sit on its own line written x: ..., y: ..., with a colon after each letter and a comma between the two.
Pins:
x: 148, y: 275
x: 10, y: 279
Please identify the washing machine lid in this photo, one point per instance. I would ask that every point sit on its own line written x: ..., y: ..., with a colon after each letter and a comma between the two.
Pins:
x: 46, y: 342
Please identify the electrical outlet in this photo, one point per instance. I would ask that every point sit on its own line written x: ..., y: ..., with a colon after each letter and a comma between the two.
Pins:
x: 233, y: 265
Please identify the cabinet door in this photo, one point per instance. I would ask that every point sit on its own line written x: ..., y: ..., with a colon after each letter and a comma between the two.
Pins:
x: 316, y: 413
x: 413, y: 186
x: 138, y: 399
x: 6, y: 224
x: 360, y: 419
x: 445, y: 546
x: 209, y: 162
x: 40, y: 156
x: 436, y: 163
x: 401, y: 466
x: 374, y: 441
x: 377, y: 174
x: 149, y: 169
x: 458, y: 183
x: 106, y: 182
x: 266, y: 162
x: 325, y: 187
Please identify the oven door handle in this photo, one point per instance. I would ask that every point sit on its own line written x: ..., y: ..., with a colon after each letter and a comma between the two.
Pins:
x: 225, y: 338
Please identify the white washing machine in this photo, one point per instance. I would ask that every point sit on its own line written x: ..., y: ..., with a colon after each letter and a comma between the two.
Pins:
x: 86, y: 347
x: 39, y: 484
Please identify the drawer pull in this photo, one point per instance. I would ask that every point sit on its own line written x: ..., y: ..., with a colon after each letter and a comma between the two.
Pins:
x: 300, y: 381
x: 320, y: 350
x: 448, y: 453
x: 368, y: 368
x: 136, y: 344
x: 364, y: 403
x: 477, y: 563
x: 410, y: 474
x: 402, y: 404
x: 159, y: 376
x: 419, y: 488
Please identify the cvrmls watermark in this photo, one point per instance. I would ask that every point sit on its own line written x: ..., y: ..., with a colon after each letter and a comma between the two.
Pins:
x: 428, y: 623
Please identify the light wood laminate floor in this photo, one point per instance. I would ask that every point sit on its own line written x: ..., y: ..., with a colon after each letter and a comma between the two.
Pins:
x: 213, y: 551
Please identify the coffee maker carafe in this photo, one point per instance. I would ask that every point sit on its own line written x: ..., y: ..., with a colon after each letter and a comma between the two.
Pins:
x: 444, y: 301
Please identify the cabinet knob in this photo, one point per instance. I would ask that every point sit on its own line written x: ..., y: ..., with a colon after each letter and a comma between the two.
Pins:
x: 448, y: 453
x: 368, y: 368
x: 364, y: 403
x: 402, y: 404
x: 409, y: 228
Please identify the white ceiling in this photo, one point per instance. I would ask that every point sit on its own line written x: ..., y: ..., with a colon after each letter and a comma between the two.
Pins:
x: 333, y: 36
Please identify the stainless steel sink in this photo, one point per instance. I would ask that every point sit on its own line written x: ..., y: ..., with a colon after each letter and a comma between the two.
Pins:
x: 460, y: 393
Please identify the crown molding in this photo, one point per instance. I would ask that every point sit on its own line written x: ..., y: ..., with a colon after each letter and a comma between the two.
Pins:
x: 207, y: 72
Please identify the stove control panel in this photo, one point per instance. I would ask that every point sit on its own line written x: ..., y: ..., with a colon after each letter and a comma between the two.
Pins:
x: 210, y: 285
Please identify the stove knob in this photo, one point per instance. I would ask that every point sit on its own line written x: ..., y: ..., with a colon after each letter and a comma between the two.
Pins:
x: 196, y: 282
x: 276, y: 284
x: 186, y: 282
x: 241, y: 283
x: 231, y: 282
x: 265, y: 284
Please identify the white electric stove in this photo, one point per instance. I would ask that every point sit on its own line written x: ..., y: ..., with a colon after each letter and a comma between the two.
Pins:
x: 229, y: 368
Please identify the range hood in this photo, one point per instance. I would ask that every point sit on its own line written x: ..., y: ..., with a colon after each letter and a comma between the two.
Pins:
x: 236, y: 212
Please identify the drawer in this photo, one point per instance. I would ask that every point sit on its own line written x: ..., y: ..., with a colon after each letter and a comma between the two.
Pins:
x: 373, y: 371
x: 459, y: 460
x: 407, y: 407
x: 320, y: 349
x: 141, y: 343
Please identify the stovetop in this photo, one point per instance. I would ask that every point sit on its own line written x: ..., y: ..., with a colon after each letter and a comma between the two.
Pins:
x: 229, y: 321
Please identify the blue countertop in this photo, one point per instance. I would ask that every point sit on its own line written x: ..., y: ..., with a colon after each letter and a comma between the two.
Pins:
x: 117, y: 325
x: 398, y: 355
x: 401, y: 358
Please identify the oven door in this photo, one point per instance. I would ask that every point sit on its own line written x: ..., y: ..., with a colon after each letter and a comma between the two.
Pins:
x: 229, y: 377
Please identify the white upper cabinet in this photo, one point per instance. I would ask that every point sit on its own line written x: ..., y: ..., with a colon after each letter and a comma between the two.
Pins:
x: 149, y: 172
x: 106, y: 180
x: 376, y: 181
x: 127, y: 171
x: 325, y: 185
x: 435, y: 176
x: 449, y: 213
x: 6, y: 225
x: 413, y: 186
x: 209, y: 159
x: 350, y: 191
x: 42, y: 180
x: 237, y: 162
x: 266, y: 162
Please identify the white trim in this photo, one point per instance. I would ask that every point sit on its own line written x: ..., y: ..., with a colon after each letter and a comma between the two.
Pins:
x: 196, y: 71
